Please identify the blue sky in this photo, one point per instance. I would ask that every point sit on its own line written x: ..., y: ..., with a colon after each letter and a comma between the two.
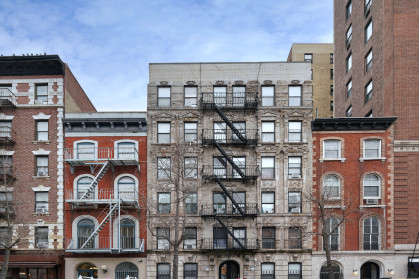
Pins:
x: 109, y: 43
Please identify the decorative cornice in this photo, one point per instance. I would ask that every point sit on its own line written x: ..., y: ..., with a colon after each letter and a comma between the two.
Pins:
x: 406, y: 146
x: 352, y: 124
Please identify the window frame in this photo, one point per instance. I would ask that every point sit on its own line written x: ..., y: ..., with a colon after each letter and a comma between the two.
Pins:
x: 163, y: 236
x: 268, y: 275
x: 348, y: 9
x: 331, y: 58
x: 192, y: 273
x: 267, y: 135
x: 268, y: 237
x: 191, y: 207
x: 219, y: 207
x: 163, y: 276
x: 160, y: 99
x: 368, y: 92
x: 191, y: 236
x: 336, y: 233
x: 220, y: 97
x: 367, y: 7
x: 338, y: 150
x: 190, y: 173
x: 368, y: 61
x: 290, y: 175
x: 368, y: 30
x: 295, y: 98
x: 271, y: 169
x: 187, y: 135
x: 349, y: 62
x: 377, y: 185
x: 295, y: 275
x: 348, y: 36
x: 364, y: 149
x: 349, y: 88
x: 295, y: 240
x: 40, y: 203
x: 41, y: 233
x: 40, y: 132
x: 367, y: 237
x: 127, y: 233
x: 267, y: 100
x: 161, y: 135
x: 331, y: 74
x: 41, y: 98
x: 239, y: 95
x: 348, y: 111
x: 330, y: 185
x: 164, y: 207
x: 298, y: 133
x: 271, y: 205
x: 188, y: 98
x: 310, y: 59
x: 39, y: 167
x: 165, y: 167
x: 298, y: 203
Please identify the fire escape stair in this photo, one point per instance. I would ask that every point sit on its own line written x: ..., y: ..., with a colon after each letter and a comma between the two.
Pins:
x: 98, y: 177
x: 230, y: 233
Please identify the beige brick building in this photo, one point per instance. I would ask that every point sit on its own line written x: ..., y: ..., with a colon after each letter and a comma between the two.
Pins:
x: 229, y: 152
x: 321, y: 58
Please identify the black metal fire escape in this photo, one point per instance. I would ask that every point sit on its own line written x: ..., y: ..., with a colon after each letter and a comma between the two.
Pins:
x: 237, y: 137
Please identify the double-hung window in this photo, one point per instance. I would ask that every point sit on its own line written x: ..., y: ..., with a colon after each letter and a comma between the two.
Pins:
x: 268, y: 202
x: 126, y: 150
x: 349, y: 62
x: 368, y: 91
x: 190, y: 271
x: 372, y: 186
x: 348, y: 36
x: 240, y: 235
x: 190, y: 238
x: 163, y: 271
x: 191, y: 96
x: 241, y: 163
x: 268, y: 131
x: 219, y: 203
x: 163, y: 132
x: 348, y: 9
x: 294, y: 271
x: 308, y: 57
x: 41, y: 93
x: 220, y: 95
x: 368, y: 61
x: 163, y: 236
x: 294, y: 167
x: 41, y: 166
x: 332, y: 228
x: 348, y: 112
x: 268, y: 238
x: 163, y: 96
x: 367, y: 6
x: 268, y: 167
x: 41, y: 237
x: 191, y: 167
x: 220, y: 167
x: 294, y: 96
x: 41, y: 202
x: 241, y: 127
x: 294, y: 131
x: 239, y: 96
x: 42, y: 130
x: 240, y: 199
x: 164, y: 202
x: 191, y: 131
x: 368, y: 31
x: 371, y: 234
x: 331, y: 186
x: 163, y: 167
x: 85, y: 151
x: 268, y: 96
x: 331, y: 149
x: 294, y: 202
x: 294, y: 238
x: 220, y: 132
x: 372, y: 148
x: 349, y: 89
x: 191, y: 205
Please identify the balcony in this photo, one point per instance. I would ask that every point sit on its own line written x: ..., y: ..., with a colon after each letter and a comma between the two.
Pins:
x: 102, y: 196
x: 105, y: 245
x: 251, y: 172
x: 229, y: 101
x: 7, y: 98
x: 249, y: 209
x: 227, y: 137
x: 229, y: 245
x: 84, y: 156
x: 7, y: 135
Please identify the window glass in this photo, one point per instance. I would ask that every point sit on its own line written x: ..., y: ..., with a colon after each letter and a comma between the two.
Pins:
x: 190, y: 271
x: 294, y: 131
x: 331, y: 186
x: 368, y: 91
x: 348, y: 36
x: 268, y: 202
x: 368, y: 31
x: 41, y: 202
x: 163, y: 132
x: 191, y: 206
x: 126, y: 188
x: 368, y: 61
x: 268, y: 167
x: 191, y: 96
x: 294, y: 167
x: 163, y: 96
x: 191, y: 131
x: 163, y: 271
x: 349, y: 89
x: 164, y: 202
x: 220, y: 95
x: 331, y: 149
x: 372, y: 148
x: 268, y: 131
x: 190, y: 238
x: 41, y: 165
x: 85, y: 151
x: 219, y: 202
x: 268, y: 238
x: 126, y: 150
x: 163, y: 168
x: 163, y: 235
x: 371, y: 234
x: 308, y: 57
x: 294, y: 96
x: 42, y: 130
x: 333, y: 231
x: 41, y: 237
x: 127, y: 232
x: 239, y: 96
x: 268, y: 95
x: 294, y: 238
x: 41, y: 93
x: 294, y: 202
x: 372, y: 186
x: 191, y: 167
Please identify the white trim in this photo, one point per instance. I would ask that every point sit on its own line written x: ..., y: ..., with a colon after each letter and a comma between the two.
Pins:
x: 75, y: 185
x: 379, y: 187
x: 41, y: 116
x: 69, y: 134
x: 74, y: 229
x: 379, y: 233
x: 41, y: 152
x: 339, y: 150
x: 115, y: 146
x: 6, y: 117
x: 6, y: 153
x: 41, y: 188
x: 115, y: 230
x: 85, y: 141
x: 379, y: 149
x: 115, y: 187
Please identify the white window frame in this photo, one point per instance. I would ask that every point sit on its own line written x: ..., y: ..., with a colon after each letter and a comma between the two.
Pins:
x: 370, y: 233
x: 300, y: 175
x: 364, y: 185
x: 365, y: 157
x: 267, y: 194
x: 339, y: 150
x: 185, y: 124
x: 164, y: 168
x: 75, y: 148
x: 127, y: 141
x: 267, y: 159
x: 329, y: 224
x: 116, y: 186
x: 334, y: 185
x: 75, y: 196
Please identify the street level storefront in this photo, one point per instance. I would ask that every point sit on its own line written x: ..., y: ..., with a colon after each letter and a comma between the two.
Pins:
x: 34, y: 266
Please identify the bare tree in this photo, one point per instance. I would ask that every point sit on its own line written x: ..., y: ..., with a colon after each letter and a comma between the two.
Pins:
x: 177, y: 172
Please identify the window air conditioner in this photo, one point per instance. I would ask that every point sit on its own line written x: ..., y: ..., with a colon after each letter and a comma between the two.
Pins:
x: 41, y: 173
x: 189, y: 246
x: 41, y: 245
x: 295, y: 210
x: 371, y: 201
x: 295, y: 175
x: 41, y: 210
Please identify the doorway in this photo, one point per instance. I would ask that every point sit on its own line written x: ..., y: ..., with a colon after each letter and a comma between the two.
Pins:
x: 370, y: 270
x: 229, y: 270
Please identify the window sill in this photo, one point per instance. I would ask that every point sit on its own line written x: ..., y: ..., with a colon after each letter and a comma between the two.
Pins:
x: 40, y: 177
x: 372, y: 205
x: 41, y: 141
x: 41, y: 214
x: 372, y: 159
x: 343, y: 160
x: 295, y: 178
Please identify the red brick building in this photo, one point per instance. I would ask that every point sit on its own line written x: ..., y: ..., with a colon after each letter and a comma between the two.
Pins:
x: 33, y: 97
x: 352, y: 177
x: 105, y: 194
x: 376, y: 74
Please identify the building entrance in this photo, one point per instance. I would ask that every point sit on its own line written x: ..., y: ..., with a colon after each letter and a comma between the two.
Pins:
x: 229, y: 270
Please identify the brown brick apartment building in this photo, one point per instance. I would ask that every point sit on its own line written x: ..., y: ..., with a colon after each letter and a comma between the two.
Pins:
x: 34, y: 92
x: 377, y: 74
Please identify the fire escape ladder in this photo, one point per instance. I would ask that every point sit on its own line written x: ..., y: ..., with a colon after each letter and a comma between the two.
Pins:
x: 105, y: 220
x: 236, y: 205
x: 96, y: 180
x: 230, y: 233
x: 234, y: 165
x: 230, y: 124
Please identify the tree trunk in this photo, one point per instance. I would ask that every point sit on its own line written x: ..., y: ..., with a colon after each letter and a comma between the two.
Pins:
x: 177, y: 241
x: 4, y: 268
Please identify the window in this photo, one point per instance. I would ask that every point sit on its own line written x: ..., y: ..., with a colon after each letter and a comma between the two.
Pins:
x: 268, y: 131
x: 85, y: 228
x: 220, y: 167
x: 6, y: 197
x: 294, y: 131
x: 294, y: 271
x: 311, y: 74
x: 268, y: 96
x: 348, y: 9
x: 41, y: 130
x: 367, y: 6
x: 294, y: 202
x: 349, y: 89
x: 240, y: 234
x: 372, y: 185
x: 336, y: 271
x: 219, y: 203
x: 163, y: 132
x: 268, y: 238
x: 268, y: 167
x: 163, y: 271
x: 190, y: 238
x: 268, y: 271
x: 331, y: 90
x: 127, y: 232
x: 163, y: 168
x: 331, y: 58
x: 41, y: 166
x: 191, y: 131
x: 190, y: 271
x: 125, y: 269
x: 369, y: 114
x: 368, y: 91
x: 241, y: 163
x: 220, y: 95
x: 294, y: 238
x: 220, y: 132
x: 368, y: 31
x: 41, y: 202
x: 308, y: 57
x: 349, y: 62
x: 163, y: 96
x: 163, y: 236
x: 240, y: 199
x: 331, y: 74
x: 331, y: 149
x: 348, y: 36
x: 83, y: 184
x: 239, y: 96
x: 6, y: 165
x: 126, y: 188
x: 191, y: 167
x: 41, y: 93
x: 220, y: 237
x: 126, y: 150
x: 191, y: 206
x: 4, y: 236
x: 331, y: 186
x: 164, y: 202
x: 332, y: 228
x: 41, y: 237
x: 349, y: 112
x: 241, y: 127
x: 191, y: 96
x: 331, y: 105
x: 85, y: 151
x: 268, y: 202
x: 368, y: 61
x: 294, y: 167
x: 294, y: 96
x: 371, y: 234
x: 372, y: 148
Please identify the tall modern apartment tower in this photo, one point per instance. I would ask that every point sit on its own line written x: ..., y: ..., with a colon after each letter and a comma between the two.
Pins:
x: 377, y: 74
x: 229, y: 169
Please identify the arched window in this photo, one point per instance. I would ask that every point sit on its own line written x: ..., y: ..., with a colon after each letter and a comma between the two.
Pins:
x: 126, y: 188
x: 125, y: 150
x: 337, y: 274
x: 87, y: 270
x: 371, y: 234
x: 372, y: 184
x: 85, y: 151
x: 331, y: 186
x: 83, y: 184
x: 85, y: 229
x: 127, y: 232
x: 123, y: 270
x: 332, y: 225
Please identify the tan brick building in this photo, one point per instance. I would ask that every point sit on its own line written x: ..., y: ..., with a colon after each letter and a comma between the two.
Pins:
x: 321, y: 58
x: 229, y: 152
x: 376, y: 74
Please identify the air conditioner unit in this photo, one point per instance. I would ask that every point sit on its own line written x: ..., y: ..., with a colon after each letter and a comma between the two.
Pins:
x: 42, y: 245
x: 295, y: 175
x: 295, y: 210
x: 41, y: 173
x: 41, y: 210
x: 189, y: 246
x: 371, y: 201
